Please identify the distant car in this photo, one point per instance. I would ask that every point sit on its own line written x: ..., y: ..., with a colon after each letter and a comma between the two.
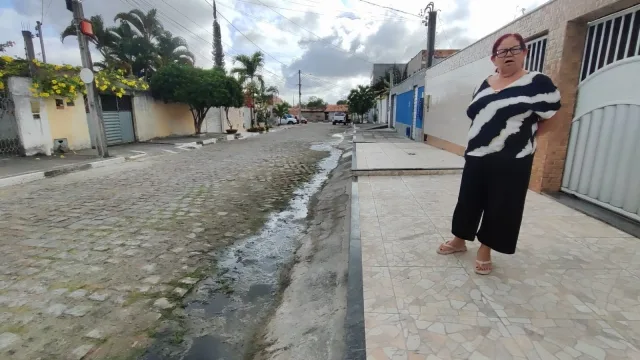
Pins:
x: 339, y: 118
x: 288, y: 120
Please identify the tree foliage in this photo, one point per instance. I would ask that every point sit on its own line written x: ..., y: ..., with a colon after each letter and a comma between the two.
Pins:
x: 218, y: 54
x: 361, y: 100
x: 248, y: 73
x: 201, y: 89
x: 316, y: 103
x: 280, y: 110
x: 342, y: 102
x: 138, y: 45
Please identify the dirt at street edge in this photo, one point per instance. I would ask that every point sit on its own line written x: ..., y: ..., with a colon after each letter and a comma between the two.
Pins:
x: 309, y: 321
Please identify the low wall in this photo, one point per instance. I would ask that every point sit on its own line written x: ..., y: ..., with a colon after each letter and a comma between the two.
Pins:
x: 155, y: 119
x: 69, y: 122
x: 35, y: 133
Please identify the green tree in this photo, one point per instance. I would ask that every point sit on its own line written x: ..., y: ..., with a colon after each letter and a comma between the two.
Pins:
x: 146, y: 28
x: 104, y: 40
x: 316, y: 103
x: 280, y: 110
x: 147, y: 25
x: 248, y: 73
x: 361, y: 100
x: 199, y: 88
x: 232, y: 97
x: 342, y: 102
x: 173, y: 49
x: 218, y: 54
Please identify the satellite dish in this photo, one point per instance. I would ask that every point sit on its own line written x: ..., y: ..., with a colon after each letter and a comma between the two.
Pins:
x: 86, y: 75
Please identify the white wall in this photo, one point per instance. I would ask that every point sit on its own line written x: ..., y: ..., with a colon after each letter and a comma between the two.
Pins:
x: 215, y: 121
x: 382, y: 110
x: 35, y: 134
x: 451, y: 93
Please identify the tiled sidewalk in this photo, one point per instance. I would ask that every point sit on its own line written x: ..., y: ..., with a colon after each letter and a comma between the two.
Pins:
x: 572, y: 290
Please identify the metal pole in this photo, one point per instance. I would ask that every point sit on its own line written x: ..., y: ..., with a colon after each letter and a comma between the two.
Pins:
x: 389, y: 107
x: 300, y: 94
x: 95, y: 111
x: 39, y: 29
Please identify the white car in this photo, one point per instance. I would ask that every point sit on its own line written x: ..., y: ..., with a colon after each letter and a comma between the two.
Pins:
x: 288, y: 120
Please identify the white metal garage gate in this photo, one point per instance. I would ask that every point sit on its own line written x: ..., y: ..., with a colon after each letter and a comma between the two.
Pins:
x: 603, y: 158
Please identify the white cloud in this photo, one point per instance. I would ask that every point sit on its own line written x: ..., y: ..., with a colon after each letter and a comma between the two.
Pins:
x: 341, y: 40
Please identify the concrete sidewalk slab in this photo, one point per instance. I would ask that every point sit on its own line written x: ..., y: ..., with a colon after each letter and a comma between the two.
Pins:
x: 404, y: 158
x: 384, y: 152
x: 571, y: 291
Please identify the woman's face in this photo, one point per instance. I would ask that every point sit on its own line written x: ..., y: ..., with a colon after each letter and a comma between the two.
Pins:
x: 510, y: 56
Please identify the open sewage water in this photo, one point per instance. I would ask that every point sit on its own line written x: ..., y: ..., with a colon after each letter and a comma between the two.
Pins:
x: 220, y: 323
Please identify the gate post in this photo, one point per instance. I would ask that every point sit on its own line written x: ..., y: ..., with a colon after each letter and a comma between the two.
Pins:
x: 564, y: 56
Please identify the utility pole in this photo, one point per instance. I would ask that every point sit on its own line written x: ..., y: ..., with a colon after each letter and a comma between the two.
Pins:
x: 390, y: 105
x: 39, y: 30
x: 95, y: 111
x: 300, y: 93
x: 30, y: 52
x: 430, y: 16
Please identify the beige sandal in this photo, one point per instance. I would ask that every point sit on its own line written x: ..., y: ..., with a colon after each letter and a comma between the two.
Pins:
x: 480, y: 265
x: 451, y: 249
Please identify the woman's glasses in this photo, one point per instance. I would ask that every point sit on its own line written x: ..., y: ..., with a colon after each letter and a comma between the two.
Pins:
x: 514, y: 51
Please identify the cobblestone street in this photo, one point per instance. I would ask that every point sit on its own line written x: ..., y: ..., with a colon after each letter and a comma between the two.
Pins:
x: 92, y: 260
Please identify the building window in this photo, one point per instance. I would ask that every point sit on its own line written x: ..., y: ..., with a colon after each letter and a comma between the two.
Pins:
x: 59, y: 104
x: 535, y: 56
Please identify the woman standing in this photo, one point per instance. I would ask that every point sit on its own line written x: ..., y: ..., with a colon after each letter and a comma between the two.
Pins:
x: 505, y: 112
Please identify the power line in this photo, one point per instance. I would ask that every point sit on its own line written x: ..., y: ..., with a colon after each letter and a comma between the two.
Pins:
x: 390, y: 8
x: 383, y: 16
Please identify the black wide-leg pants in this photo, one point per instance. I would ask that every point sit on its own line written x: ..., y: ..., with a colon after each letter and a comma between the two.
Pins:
x: 493, y: 189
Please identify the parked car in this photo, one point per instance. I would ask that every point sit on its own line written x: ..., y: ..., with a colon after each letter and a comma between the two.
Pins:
x: 288, y: 120
x: 303, y: 120
x: 340, y: 118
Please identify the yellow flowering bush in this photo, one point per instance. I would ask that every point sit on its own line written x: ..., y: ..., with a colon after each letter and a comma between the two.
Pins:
x: 11, y: 67
x: 64, y: 81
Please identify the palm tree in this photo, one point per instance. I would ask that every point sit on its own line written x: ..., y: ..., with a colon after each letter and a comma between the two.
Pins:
x: 173, y: 49
x: 104, y: 39
x: 144, y: 28
x: 147, y: 25
x: 249, y: 70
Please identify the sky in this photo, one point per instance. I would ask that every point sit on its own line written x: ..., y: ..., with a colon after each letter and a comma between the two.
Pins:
x: 334, y: 43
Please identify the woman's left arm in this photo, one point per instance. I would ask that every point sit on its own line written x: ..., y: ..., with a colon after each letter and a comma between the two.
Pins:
x: 547, y: 99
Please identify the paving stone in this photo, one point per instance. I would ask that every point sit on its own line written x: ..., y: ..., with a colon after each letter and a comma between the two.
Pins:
x: 180, y: 291
x: 78, y: 311
x: 163, y: 303
x: 96, y: 334
x: 7, y: 340
x: 99, y: 296
x: 189, y: 281
x: 152, y: 280
x: 80, y: 352
x: 56, y: 309
x: 78, y: 294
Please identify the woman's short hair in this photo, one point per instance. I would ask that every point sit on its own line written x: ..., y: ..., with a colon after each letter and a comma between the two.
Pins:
x: 496, y: 45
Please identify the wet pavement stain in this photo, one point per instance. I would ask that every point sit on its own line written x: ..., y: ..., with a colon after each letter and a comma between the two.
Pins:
x: 223, y: 312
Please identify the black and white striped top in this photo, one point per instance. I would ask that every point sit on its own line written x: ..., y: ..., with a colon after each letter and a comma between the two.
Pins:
x: 505, y: 122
